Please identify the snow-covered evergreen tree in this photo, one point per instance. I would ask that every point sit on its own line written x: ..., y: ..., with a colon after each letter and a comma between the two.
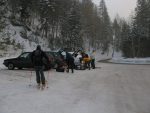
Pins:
x: 106, y: 29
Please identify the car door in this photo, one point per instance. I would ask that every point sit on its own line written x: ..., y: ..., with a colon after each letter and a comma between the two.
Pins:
x: 24, y: 60
x: 51, y: 58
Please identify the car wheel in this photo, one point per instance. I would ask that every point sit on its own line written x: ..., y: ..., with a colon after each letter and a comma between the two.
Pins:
x: 82, y: 67
x: 11, y: 66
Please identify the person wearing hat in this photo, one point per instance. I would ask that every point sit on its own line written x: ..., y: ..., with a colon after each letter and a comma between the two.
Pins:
x: 37, y: 60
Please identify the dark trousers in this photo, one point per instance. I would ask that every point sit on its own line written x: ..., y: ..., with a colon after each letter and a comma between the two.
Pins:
x: 70, y: 65
x: 93, y: 63
x: 40, y: 78
x: 87, y: 65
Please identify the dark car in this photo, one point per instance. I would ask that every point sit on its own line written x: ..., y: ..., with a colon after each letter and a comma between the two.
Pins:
x: 55, y: 59
x: 24, y: 61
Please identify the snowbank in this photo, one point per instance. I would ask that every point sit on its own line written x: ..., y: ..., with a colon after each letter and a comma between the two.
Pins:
x: 130, y: 60
x: 117, y: 58
x: 17, y: 39
x: 1, y: 63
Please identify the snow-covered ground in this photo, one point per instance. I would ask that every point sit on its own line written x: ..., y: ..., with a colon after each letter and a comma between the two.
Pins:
x: 109, y: 89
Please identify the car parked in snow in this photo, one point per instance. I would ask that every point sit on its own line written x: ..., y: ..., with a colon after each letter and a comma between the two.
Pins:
x: 24, y: 61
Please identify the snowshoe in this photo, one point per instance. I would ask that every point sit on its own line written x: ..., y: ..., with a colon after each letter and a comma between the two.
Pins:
x: 43, y: 87
x: 38, y: 86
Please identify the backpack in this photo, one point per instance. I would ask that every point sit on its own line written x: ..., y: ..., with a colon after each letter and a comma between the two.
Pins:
x: 37, y: 56
x: 69, y: 57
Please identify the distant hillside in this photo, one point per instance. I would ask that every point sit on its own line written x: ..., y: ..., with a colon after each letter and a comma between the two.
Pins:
x: 19, y: 38
x: 55, y: 24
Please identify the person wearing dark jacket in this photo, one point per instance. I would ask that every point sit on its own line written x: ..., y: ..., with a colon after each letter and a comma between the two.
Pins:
x: 70, y: 62
x: 37, y: 60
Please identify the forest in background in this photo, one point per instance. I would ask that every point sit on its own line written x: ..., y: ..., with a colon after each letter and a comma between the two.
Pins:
x: 80, y: 24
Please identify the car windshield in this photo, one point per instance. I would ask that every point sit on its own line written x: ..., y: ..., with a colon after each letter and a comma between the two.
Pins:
x: 56, y: 54
x: 49, y: 54
x: 24, y: 55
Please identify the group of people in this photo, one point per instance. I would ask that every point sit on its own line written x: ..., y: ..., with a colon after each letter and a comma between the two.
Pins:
x: 69, y: 62
x: 72, y: 61
x: 37, y: 61
x: 88, y: 59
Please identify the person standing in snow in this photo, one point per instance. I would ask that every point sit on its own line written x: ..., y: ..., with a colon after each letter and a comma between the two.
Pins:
x: 93, y: 59
x: 70, y: 62
x: 87, y: 61
x: 76, y: 61
x: 37, y: 60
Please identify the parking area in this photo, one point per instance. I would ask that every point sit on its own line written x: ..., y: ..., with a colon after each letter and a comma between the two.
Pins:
x: 113, y: 88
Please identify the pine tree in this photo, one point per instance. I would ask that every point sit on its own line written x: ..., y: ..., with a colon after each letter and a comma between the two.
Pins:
x: 117, y: 35
x: 141, y: 29
x: 71, y: 27
x: 95, y: 29
x: 126, y: 42
x: 87, y: 22
x: 2, y: 14
x: 106, y: 30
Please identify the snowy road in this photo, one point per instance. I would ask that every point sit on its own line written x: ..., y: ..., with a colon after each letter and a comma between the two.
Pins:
x: 114, y: 88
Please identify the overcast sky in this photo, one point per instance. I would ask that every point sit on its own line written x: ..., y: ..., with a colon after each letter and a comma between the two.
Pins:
x: 123, y: 8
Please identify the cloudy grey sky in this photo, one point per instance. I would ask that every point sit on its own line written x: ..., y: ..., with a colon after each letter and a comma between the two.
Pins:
x: 123, y: 8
